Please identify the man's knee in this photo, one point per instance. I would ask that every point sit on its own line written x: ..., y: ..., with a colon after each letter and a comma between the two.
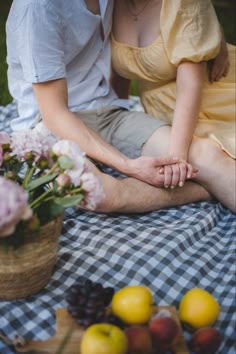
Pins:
x: 204, y: 151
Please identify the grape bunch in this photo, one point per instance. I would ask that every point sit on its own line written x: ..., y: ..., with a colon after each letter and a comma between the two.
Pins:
x: 88, y: 301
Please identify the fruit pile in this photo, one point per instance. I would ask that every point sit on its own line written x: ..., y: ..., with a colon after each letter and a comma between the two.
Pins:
x: 128, y: 322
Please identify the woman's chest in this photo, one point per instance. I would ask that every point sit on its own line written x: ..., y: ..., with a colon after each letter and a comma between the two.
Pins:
x: 149, y: 63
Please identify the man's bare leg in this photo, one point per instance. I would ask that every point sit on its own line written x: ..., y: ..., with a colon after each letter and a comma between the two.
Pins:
x: 129, y: 195
x: 217, y: 171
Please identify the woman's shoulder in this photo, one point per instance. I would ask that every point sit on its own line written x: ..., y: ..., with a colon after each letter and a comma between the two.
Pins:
x: 190, y: 30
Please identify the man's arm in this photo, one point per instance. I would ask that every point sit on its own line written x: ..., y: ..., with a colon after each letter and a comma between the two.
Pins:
x: 52, y: 102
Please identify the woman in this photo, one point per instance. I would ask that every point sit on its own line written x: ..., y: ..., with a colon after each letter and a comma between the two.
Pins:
x: 166, y: 46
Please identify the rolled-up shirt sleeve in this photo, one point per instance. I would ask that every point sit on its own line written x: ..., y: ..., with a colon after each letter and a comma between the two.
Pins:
x: 41, y: 44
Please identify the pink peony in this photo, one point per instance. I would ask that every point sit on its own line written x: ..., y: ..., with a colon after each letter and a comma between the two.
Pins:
x: 1, y: 156
x: 73, y: 151
x: 13, y: 206
x: 32, y: 141
x: 4, y: 139
x: 63, y: 180
x: 93, y: 190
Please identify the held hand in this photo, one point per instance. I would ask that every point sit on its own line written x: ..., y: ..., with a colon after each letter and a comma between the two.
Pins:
x: 147, y: 169
x: 220, y: 65
x: 175, y: 175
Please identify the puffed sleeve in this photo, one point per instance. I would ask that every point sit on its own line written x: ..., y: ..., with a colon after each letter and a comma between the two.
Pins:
x: 190, y: 30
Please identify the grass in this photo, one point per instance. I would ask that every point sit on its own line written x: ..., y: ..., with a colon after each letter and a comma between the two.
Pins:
x: 4, y: 93
x: 225, y: 10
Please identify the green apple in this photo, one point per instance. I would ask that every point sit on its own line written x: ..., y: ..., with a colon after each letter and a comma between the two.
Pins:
x: 103, y: 338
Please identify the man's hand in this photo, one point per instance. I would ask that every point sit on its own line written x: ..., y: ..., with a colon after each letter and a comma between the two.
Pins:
x: 220, y: 65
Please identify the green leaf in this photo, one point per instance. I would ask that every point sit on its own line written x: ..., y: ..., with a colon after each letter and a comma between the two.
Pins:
x: 67, y: 202
x: 48, y: 211
x: 40, y: 181
x: 65, y: 162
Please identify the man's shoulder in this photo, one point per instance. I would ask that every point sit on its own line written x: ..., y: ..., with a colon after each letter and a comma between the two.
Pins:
x: 21, y: 9
x: 19, y: 6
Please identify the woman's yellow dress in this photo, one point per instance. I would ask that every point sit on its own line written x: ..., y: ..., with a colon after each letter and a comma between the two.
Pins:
x: 189, y: 32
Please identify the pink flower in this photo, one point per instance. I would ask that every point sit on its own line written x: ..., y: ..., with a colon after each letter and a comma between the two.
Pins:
x: 63, y: 180
x: 1, y: 156
x: 13, y: 206
x: 32, y: 141
x: 73, y: 151
x: 93, y: 190
x: 4, y: 138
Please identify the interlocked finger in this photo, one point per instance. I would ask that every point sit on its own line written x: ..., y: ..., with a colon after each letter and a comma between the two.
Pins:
x: 167, y: 176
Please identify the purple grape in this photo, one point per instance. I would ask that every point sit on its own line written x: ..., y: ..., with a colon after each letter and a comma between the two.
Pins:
x: 87, y: 301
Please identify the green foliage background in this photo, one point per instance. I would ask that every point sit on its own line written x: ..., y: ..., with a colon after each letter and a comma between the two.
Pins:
x: 226, y: 10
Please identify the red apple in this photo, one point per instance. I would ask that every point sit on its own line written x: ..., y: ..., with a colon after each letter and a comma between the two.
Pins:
x: 205, y: 340
x: 164, y: 331
x: 139, y: 339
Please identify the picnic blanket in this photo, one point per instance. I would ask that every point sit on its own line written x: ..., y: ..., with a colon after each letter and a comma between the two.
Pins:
x: 170, y: 251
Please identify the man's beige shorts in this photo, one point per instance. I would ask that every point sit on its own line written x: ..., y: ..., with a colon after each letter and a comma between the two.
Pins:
x: 125, y: 130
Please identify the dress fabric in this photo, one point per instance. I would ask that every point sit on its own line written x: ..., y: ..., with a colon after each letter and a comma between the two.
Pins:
x: 188, y: 33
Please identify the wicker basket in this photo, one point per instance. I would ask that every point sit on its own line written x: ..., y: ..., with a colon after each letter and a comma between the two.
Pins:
x: 28, y: 269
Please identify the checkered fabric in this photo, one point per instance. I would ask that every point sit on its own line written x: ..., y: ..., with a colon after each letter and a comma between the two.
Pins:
x: 170, y: 251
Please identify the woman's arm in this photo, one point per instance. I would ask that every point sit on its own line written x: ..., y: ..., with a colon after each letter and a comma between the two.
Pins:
x: 189, y: 84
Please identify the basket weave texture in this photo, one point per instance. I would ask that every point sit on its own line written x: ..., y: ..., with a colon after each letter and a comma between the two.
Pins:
x: 28, y: 269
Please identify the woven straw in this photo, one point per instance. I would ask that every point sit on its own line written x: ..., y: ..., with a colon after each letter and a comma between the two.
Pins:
x: 25, y: 271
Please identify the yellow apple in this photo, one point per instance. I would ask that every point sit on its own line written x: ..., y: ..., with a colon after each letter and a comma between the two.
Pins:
x: 103, y: 338
x: 133, y: 304
x: 198, y: 309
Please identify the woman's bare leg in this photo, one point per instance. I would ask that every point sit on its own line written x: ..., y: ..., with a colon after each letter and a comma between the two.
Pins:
x: 217, y: 171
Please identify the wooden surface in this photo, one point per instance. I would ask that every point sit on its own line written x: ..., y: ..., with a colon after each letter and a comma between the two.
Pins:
x: 68, y: 336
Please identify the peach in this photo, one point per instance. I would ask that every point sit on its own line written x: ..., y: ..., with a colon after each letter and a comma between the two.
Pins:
x: 205, y: 340
x: 164, y: 331
x: 139, y: 339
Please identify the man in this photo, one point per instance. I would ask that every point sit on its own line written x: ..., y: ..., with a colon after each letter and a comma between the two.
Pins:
x: 59, y: 70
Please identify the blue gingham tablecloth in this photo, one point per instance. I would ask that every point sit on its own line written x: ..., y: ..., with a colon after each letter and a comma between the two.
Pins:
x: 170, y: 251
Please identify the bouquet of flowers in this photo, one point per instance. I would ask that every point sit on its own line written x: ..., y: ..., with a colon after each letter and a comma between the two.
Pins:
x: 40, y: 176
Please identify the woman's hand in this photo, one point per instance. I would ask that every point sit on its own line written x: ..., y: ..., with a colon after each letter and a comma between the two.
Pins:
x: 176, y: 175
x: 220, y: 65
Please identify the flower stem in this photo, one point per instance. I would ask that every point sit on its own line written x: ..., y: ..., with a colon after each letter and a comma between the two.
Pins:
x: 28, y: 176
x: 76, y: 190
x: 52, y: 169
x: 40, y: 198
